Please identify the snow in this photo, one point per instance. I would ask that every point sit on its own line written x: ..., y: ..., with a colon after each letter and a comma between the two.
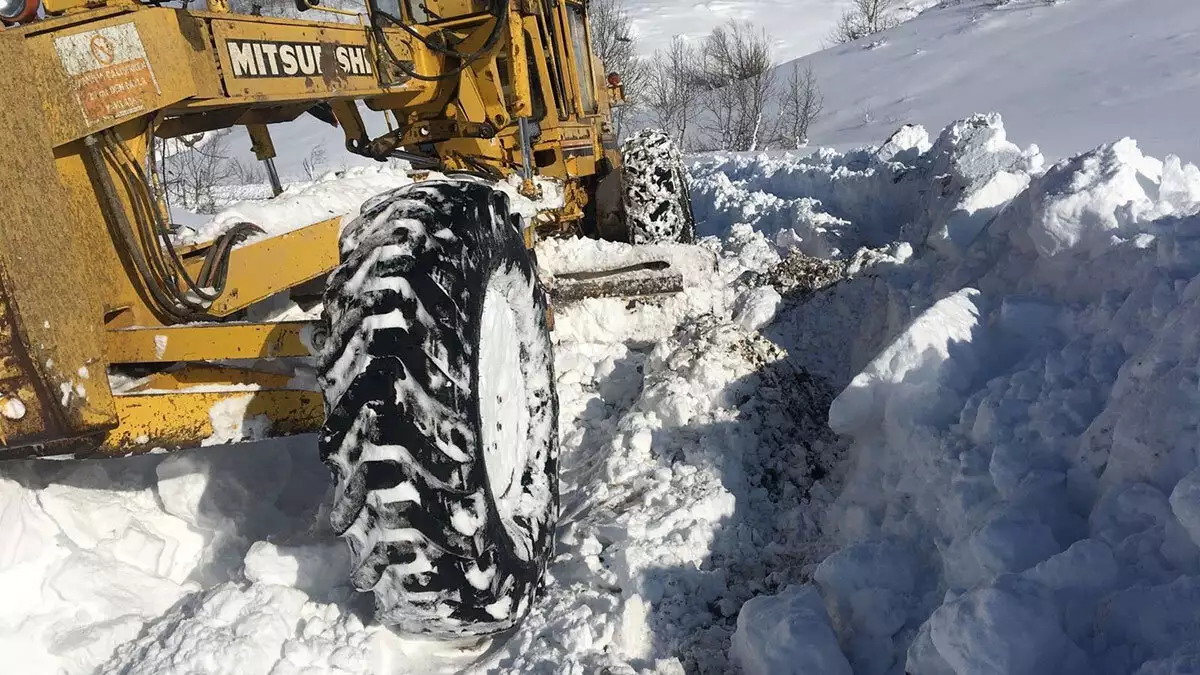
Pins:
x: 797, y: 27
x: 333, y: 195
x: 787, y: 634
x: 925, y: 407
x: 1067, y: 75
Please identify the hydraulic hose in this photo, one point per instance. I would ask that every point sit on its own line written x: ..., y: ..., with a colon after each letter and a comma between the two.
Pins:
x: 500, y: 12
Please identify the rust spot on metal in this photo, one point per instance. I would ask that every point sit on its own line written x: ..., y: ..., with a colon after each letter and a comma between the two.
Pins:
x: 331, y: 71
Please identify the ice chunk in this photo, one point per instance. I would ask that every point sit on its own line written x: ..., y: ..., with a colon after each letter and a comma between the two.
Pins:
x: 787, y: 634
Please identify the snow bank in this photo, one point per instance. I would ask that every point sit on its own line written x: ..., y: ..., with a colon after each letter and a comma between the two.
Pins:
x: 1021, y: 393
x: 909, y: 189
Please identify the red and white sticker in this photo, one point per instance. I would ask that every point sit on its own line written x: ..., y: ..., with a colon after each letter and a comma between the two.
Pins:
x: 108, y: 71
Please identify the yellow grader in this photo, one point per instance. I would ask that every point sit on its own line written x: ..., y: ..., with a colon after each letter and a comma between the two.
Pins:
x: 435, y: 409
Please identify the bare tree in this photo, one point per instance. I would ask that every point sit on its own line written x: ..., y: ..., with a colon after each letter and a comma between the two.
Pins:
x: 314, y: 163
x: 800, y: 104
x: 249, y: 173
x: 736, y: 74
x: 192, y: 175
x: 671, y: 93
x: 615, y: 45
x: 866, y: 17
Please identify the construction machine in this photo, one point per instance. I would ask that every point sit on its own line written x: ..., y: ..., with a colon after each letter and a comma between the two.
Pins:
x: 435, y: 407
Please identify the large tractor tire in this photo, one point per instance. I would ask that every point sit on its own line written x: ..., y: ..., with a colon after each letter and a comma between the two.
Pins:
x: 657, y: 205
x: 441, y: 429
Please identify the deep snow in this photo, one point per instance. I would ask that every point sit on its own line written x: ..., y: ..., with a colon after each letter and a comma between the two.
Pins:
x: 690, y: 449
x: 959, y: 439
x: 1018, y: 379
x: 976, y: 455
x: 1067, y: 75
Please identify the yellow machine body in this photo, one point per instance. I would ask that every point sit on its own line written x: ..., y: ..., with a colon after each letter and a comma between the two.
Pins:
x: 90, y: 363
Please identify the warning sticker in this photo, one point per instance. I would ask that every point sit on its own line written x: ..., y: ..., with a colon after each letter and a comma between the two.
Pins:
x: 108, y: 71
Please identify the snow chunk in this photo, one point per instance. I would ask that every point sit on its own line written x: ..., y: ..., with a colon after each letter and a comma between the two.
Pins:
x: 313, y: 568
x: 787, y: 634
x: 13, y: 408
x: 756, y: 308
x: 915, y: 371
x: 869, y: 586
x: 230, y: 423
x: 27, y: 534
x: 126, y: 526
x: 908, y: 142
x: 1084, y: 202
x: 1011, y: 627
x: 978, y: 171
x: 225, y: 631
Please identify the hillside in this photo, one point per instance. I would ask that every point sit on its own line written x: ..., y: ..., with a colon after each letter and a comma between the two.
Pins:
x: 1068, y: 76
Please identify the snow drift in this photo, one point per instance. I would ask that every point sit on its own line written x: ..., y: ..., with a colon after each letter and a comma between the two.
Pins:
x: 1018, y: 375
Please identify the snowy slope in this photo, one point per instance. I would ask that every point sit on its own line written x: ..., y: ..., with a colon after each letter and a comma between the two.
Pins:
x: 1068, y: 76
x: 797, y: 27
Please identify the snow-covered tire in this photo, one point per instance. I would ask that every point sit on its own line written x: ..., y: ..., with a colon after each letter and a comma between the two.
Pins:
x: 658, y: 207
x: 441, y: 414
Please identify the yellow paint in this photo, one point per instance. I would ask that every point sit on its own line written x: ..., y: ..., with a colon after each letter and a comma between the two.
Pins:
x: 206, y: 342
x: 70, y: 295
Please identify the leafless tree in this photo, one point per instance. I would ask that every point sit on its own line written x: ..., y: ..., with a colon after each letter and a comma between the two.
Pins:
x: 192, y: 175
x: 800, y: 104
x: 249, y: 173
x: 866, y: 17
x: 671, y: 93
x: 616, y: 46
x: 314, y: 163
x: 736, y: 74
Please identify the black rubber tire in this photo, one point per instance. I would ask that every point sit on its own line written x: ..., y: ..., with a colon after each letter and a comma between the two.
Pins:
x: 403, y: 435
x: 657, y: 204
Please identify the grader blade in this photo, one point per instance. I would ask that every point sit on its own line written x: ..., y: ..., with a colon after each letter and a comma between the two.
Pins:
x: 651, y: 278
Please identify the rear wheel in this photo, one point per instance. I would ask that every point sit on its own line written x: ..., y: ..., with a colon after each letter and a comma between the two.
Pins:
x: 441, y: 429
x: 657, y: 206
